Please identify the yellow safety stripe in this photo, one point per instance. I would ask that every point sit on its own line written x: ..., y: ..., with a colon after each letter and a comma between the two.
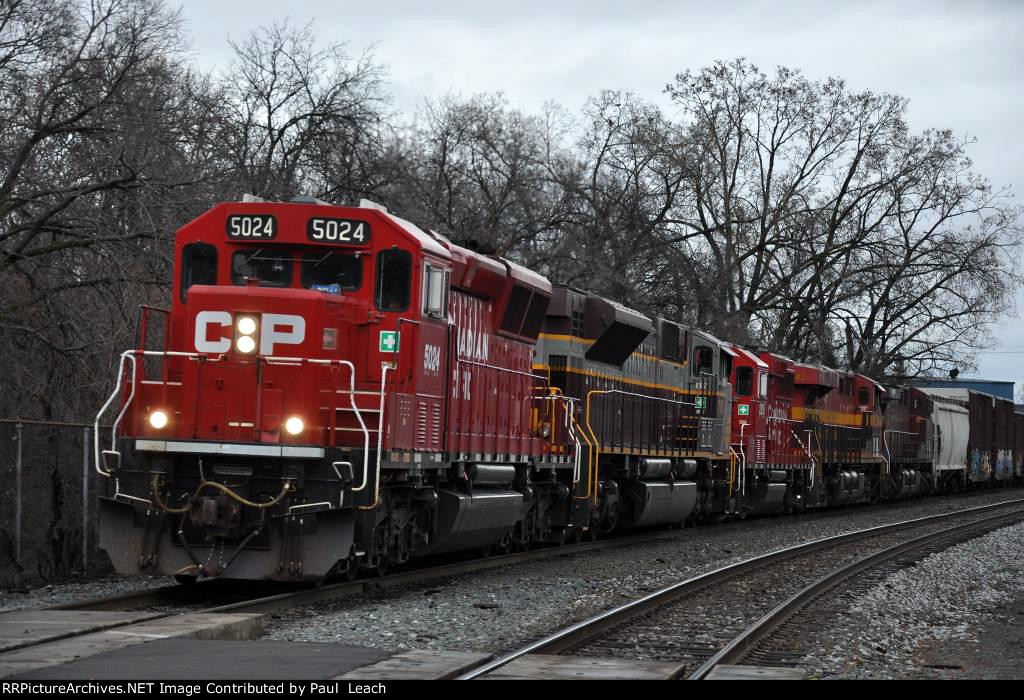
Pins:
x: 624, y: 380
x: 849, y: 420
x: 584, y: 341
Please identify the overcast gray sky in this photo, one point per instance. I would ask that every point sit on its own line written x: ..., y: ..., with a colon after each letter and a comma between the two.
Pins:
x: 959, y: 63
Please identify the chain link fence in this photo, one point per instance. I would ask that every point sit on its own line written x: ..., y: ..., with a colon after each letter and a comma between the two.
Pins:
x: 47, y: 503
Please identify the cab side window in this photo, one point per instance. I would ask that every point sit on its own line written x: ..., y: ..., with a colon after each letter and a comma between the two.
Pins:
x: 703, y: 361
x: 863, y: 397
x: 198, y: 266
x: 435, y: 291
x: 744, y: 381
x: 394, y: 280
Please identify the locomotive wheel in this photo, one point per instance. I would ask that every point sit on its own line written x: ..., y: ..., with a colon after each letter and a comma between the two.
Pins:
x: 350, y: 570
x: 577, y: 535
x: 505, y: 546
x: 519, y: 545
x: 380, y: 567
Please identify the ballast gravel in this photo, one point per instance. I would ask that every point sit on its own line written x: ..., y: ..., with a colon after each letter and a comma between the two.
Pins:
x: 947, y: 597
x: 503, y: 608
x: 76, y: 591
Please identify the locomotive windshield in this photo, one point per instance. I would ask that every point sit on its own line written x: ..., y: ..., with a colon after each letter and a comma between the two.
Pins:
x: 332, y: 271
x: 272, y: 269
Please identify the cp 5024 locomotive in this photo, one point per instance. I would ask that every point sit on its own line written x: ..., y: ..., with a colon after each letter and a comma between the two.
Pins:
x: 334, y: 389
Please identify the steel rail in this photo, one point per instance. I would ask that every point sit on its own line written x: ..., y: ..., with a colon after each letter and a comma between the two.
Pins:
x: 174, y: 594
x: 188, y: 594
x: 178, y: 595
x: 582, y: 631
x: 746, y: 641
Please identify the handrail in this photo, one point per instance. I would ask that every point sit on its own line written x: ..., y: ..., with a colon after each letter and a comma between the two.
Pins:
x: 384, y: 367
x: 743, y: 460
x: 733, y: 458
x: 119, y: 387
x: 570, y: 425
x: 531, y: 375
x: 592, y: 471
x: 888, y: 453
x: 808, y: 451
x: 129, y: 356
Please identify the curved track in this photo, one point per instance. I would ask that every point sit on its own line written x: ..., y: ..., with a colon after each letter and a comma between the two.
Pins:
x: 755, y: 642
x: 631, y: 631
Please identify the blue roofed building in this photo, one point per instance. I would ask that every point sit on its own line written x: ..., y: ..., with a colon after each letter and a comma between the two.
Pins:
x: 1002, y: 389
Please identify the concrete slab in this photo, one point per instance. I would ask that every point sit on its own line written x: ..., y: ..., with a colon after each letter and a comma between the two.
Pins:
x: 756, y: 673
x: 549, y: 667
x: 228, y: 626
x: 423, y: 664
x: 23, y: 628
x: 188, y: 659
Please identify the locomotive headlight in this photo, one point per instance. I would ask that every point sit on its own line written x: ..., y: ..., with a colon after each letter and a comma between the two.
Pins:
x: 246, y: 325
x: 245, y: 344
x: 245, y: 334
x: 294, y: 425
x: 158, y: 419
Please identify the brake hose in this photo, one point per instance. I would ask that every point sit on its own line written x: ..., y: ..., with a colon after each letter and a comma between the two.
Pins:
x: 221, y: 487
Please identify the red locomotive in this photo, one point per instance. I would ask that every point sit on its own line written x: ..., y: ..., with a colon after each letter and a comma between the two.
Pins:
x: 337, y: 390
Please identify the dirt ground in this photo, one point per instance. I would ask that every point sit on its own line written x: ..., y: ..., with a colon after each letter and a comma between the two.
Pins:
x: 996, y: 654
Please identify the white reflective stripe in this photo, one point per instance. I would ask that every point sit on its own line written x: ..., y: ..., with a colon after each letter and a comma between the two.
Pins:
x: 229, y: 448
x: 309, y: 452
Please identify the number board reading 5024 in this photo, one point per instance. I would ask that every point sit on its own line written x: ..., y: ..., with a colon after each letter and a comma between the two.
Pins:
x: 348, y: 231
x: 251, y: 226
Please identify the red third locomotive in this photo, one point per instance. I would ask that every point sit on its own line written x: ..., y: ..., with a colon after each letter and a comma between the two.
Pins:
x: 337, y: 390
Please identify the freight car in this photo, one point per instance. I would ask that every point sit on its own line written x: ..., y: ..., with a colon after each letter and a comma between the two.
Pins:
x: 337, y: 390
x: 992, y: 451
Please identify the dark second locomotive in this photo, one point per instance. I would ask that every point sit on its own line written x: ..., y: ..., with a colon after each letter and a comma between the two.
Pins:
x: 338, y: 390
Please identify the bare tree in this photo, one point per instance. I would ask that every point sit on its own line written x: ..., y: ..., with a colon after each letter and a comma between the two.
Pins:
x: 477, y: 173
x: 827, y: 230
x: 302, y: 118
x: 618, y: 187
x: 87, y: 101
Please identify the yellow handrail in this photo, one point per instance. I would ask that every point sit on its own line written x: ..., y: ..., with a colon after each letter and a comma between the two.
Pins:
x: 593, y: 463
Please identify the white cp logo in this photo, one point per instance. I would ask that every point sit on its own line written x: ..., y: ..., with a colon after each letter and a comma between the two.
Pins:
x: 274, y: 329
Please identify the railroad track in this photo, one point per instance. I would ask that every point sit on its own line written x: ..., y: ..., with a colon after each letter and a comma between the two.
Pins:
x: 251, y: 596
x: 774, y: 639
x: 221, y: 596
x: 725, y: 615
x: 230, y: 596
